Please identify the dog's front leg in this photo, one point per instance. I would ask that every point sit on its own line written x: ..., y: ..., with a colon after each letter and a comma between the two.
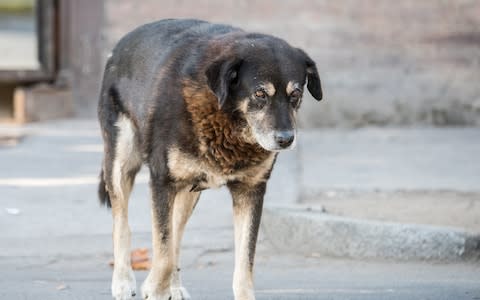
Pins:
x: 185, y: 202
x: 157, y: 284
x: 247, y: 211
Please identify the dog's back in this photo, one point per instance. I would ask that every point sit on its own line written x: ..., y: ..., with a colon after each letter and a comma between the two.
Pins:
x: 145, y: 55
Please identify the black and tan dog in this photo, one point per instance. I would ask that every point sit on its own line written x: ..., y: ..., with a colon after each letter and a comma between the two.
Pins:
x: 203, y: 105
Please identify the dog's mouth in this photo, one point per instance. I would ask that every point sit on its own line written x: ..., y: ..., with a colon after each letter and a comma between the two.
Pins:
x: 276, y: 140
x: 268, y: 138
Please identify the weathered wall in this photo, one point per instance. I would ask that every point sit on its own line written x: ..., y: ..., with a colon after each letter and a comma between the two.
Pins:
x: 382, y: 62
x: 82, y: 59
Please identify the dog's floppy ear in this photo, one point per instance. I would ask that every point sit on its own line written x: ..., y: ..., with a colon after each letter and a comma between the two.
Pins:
x: 314, y: 86
x: 222, y: 74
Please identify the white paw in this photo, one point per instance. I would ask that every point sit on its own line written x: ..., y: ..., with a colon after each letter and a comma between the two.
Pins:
x: 123, y: 285
x: 244, y: 294
x: 180, y: 293
x: 150, y: 290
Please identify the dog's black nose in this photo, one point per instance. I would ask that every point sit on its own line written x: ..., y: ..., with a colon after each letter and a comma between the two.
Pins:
x: 284, y: 138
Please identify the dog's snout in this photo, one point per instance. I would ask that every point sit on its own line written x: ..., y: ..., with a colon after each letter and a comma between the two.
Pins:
x: 284, y: 138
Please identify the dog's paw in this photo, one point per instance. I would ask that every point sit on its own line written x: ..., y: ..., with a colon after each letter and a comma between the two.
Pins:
x: 244, y: 294
x: 123, y: 285
x: 180, y: 293
x: 148, y: 294
x: 151, y: 291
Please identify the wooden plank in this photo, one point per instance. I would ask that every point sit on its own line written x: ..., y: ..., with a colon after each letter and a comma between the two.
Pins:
x: 19, y: 107
x: 46, y: 35
x: 23, y: 76
x: 41, y: 102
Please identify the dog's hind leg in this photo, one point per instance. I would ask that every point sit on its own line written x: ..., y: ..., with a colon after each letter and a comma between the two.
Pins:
x: 119, y: 172
x: 185, y: 202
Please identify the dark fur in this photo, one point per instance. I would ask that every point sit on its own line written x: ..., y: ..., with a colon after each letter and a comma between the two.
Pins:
x: 155, y: 61
x: 103, y: 195
x: 180, y: 83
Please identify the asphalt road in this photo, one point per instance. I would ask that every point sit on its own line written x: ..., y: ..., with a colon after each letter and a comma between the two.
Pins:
x: 277, y: 277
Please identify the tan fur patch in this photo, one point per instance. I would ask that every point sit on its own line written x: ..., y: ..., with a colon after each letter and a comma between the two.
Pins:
x: 186, y: 167
x: 291, y: 86
x: 269, y: 88
x: 243, y: 106
x: 242, y: 275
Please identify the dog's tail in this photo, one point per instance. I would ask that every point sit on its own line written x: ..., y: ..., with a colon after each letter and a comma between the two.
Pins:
x: 102, y: 192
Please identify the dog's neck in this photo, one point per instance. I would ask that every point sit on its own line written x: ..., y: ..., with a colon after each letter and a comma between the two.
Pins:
x: 225, y: 143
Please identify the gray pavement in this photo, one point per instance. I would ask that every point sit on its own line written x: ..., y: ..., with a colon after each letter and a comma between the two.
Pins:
x: 277, y: 277
x: 55, y: 240
x: 390, y: 159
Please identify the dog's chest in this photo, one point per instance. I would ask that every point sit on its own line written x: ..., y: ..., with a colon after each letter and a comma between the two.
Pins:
x: 222, y: 151
x: 200, y: 174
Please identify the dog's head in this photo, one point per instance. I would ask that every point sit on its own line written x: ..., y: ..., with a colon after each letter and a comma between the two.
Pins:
x: 262, y: 79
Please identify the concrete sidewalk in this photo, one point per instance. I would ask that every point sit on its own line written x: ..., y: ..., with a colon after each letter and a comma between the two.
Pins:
x: 358, y: 174
x: 390, y: 159
x: 384, y: 193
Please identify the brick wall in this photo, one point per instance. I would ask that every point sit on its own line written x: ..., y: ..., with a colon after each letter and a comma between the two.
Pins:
x: 382, y: 62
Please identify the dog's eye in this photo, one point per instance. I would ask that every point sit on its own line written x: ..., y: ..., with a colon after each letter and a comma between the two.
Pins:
x: 260, y: 94
x: 260, y: 99
x: 295, y: 97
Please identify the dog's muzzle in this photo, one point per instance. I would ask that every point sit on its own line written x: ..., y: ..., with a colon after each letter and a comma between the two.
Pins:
x: 284, y: 138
